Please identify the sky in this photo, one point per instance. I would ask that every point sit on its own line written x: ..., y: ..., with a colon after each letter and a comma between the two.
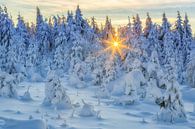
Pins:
x: 117, y: 10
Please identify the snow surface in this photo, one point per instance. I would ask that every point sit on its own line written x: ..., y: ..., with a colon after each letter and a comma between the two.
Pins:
x: 19, y: 114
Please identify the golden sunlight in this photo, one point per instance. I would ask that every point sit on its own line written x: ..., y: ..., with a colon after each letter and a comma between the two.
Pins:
x: 115, y: 45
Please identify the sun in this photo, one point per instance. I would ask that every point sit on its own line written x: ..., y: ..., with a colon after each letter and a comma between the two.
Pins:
x: 114, y: 45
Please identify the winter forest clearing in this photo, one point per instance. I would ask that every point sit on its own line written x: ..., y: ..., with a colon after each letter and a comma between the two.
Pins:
x: 68, y: 72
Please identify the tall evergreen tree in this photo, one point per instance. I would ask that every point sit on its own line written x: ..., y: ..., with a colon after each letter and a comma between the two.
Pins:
x: 137, y: 27
x: 22, y: 40
x: 108, y: 29
x: 187, y: 40
x: 148, y: 25
x: 165, y: 26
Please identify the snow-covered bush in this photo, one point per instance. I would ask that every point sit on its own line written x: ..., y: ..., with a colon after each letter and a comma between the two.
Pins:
x: 8, y: 85
x: 76, y: 82
x: 55, y: 93
x: 134, y: 85
x: 26, y: 96
x: 102, y: 92
x: 87, y: 110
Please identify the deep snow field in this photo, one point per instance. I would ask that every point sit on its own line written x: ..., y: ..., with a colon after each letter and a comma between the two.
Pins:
x: 20, y: 114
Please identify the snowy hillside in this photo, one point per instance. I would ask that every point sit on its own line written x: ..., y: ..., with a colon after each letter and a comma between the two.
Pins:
x: 17, y: 114
x: 67, y: 72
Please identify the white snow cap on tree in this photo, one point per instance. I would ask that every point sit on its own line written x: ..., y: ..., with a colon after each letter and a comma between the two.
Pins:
x: 7, y: 85
x: 55, y: 93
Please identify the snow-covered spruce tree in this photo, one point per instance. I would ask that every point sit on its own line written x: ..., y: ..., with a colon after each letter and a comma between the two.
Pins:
x: 99, y: 70
x: 42, y: 38
x: 61, y: 52
x: 111, y: 68
x: 136, y: 26
x: 179, y: 25
x: 6, y: 35
x: 70, y: 33
x: 31, y: 54
x: 165, y: 27
x: 11, y: 62
x: 155, y: 77
x: 187, y: 40
x: 77, y: 66
x: 107, y: 30
x: 94, y: 25
x: 82, y: 26
x: 54, y: 23
x: 136, y: 39
x: 153, y: 42
x: 127, y: 64
x: 22, y: 40
x: 7, y: 85
x: 128, y: 31
x: 179, y: 47
x: 55, y: 93
x: 171, y: 105
x: 168, y: 47
x: 148, y: 25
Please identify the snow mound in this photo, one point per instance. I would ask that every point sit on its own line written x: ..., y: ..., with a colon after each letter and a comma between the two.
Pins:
x: 22, y: 124
x: 76, y: 82
x: 26, y: 96
x: 87, y: 110
x: 125, y: 100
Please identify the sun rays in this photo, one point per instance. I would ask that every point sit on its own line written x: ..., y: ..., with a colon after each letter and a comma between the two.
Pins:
x: 115, y: 46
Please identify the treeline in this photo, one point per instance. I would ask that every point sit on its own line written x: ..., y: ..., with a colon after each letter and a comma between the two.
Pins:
x: 64, y: 43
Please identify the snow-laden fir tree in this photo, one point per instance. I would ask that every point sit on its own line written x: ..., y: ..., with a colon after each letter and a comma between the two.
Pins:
x: 136, y: 26
x: 165, y: 27
x: 99, y: 70
x: 171, y: 106
x: 22, y: 40
x: 11, y: 62
x: 110, y: 70
x: 128, y: 31
x: 42, y: 38
x: 153, y: 42
x: 82, y: 26
x: 108, y: 29
x: 61, y: 52
x: 187, y: 40
x: 94, y: 25
x: 168, y: 47
x: 148, y: 25
x: 77, y: 64
x: 179, y: 25
x: 55, y: 93
x: 155, y: 76
x: 6, y: 36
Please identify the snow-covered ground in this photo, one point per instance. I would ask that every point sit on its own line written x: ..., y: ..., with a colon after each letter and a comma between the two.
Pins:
x: 20, y: 114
